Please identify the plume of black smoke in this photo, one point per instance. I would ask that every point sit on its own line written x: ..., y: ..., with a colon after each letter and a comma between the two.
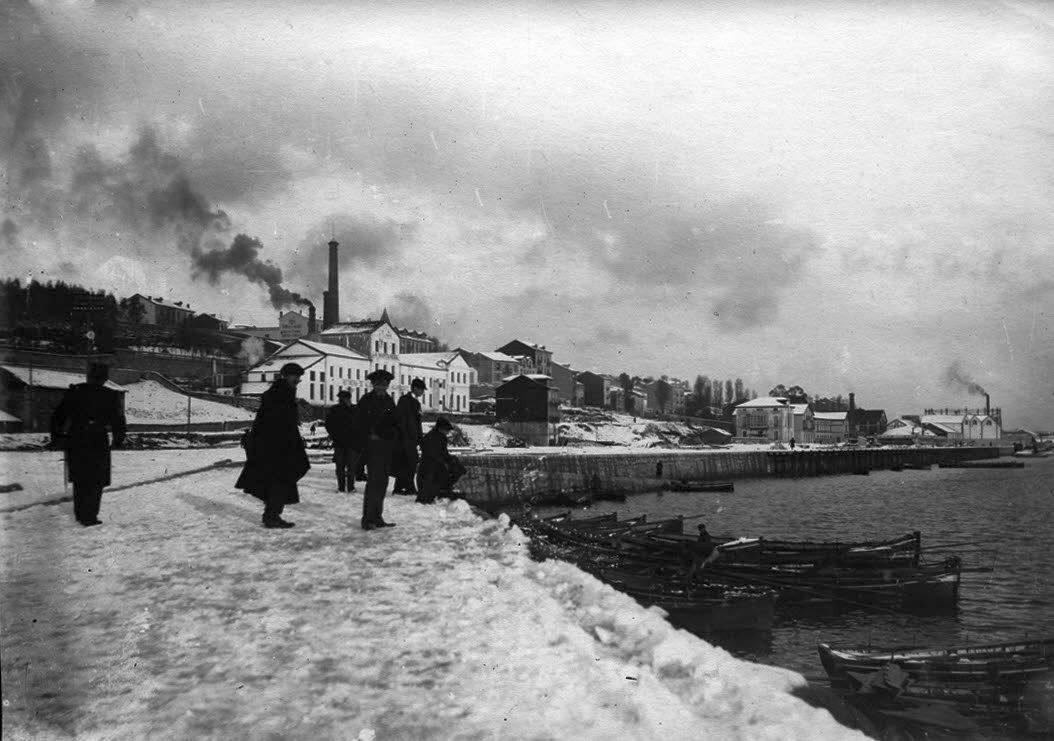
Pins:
x: 954, y: 375
x: 410, y: 311
x: 242, y: 258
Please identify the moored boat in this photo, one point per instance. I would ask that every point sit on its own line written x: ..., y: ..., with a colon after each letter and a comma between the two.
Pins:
x: 1005, y: 663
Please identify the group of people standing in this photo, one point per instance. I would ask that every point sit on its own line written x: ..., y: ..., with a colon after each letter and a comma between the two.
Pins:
x: 376, y: 432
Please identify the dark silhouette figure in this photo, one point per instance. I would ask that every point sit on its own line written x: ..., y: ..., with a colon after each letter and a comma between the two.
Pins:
x: 347, y: 445
x: 439, y: 470
x: 375, y: 421
x: 275, y: 457
x: 408, y: 420
x: 81, y: 425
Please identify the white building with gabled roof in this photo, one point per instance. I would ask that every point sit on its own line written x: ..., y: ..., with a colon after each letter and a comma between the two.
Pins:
x: 767, y: 417
x: 327, y: 370
x: 447, y: 375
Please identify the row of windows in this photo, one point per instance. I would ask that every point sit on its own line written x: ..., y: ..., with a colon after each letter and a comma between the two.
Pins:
x: 387, y: 348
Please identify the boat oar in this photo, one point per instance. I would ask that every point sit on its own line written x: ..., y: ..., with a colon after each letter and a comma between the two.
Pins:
x: 960, y: 544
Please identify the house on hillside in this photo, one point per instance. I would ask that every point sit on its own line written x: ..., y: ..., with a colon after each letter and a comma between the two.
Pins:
x: 595, y: 389
x: 568, y: 389
x: 534, y: 358
x: 492, y: 367
x: 766, y: 418
x: 159, y: 311
x: 31, y: 394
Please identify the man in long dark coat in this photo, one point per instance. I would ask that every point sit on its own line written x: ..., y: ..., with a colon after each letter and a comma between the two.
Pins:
x: 439, y: 470
x: 340, y: 424
x: 375, y: 419
x: 81, y: 425
x: 408, y: 420
x: 275, y: 457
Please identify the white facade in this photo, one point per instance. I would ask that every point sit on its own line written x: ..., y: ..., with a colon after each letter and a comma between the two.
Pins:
x: 831, y: 427
x: 767, y: 417
x: 292, y: 325
x: 327, y: 370
x: 448, y: 377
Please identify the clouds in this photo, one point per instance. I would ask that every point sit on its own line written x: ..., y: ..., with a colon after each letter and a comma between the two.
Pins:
x: 724, y: 176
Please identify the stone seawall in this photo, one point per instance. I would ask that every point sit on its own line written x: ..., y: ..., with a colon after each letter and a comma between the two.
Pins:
x: 508, y: 480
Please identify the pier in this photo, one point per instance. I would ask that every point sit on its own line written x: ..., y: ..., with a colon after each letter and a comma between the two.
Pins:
x: 496, y: 480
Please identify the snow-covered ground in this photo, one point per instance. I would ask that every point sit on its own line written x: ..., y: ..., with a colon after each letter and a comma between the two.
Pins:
x: 149, y: 401
x: 181, y: 617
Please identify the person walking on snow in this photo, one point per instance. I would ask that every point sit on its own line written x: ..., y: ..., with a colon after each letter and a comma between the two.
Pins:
x: 375, y: 421
x: 340, y: 424
x: 408, y: 419
x: 81, y: 425
x: 275, y: 456
x: 439, y: 470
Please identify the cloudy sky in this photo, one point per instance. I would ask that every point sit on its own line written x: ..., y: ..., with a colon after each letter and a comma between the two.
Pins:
x: 848, y: 196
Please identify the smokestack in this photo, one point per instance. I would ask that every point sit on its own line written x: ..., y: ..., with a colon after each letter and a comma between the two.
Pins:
x: 331, y: 298
x: 987, y: 405
x: 852, y: 402
x: 311, y: 326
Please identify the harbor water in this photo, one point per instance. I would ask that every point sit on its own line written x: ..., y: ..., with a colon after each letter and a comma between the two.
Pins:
x: 1005, y: 513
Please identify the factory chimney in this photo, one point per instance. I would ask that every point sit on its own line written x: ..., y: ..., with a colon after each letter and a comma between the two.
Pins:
x: 987, y: 405
x: 331, y: 298
x: 312, y: 325
x: 852, y: 403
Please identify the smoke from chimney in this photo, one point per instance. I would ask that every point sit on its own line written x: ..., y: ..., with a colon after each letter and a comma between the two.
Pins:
x: 954, y: 375
x: 242, y: 258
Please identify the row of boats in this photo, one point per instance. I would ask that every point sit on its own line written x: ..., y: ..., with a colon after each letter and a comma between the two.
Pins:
x: 714, y: 584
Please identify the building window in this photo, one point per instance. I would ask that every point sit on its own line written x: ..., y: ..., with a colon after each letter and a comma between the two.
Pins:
x: 331, y: 393
x: 312, y: 375
x: 311, y: 391
x: 322, y: 377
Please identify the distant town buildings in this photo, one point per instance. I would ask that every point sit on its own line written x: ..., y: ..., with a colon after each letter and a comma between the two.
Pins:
x: 534, y: 358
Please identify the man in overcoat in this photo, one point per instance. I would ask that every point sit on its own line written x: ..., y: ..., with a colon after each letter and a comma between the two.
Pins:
x: 340, y: 424
x: 81, y: 424
x: 408, y: 420
x: 439, y: 470
x: 375, y: 420
x: 275, y: 456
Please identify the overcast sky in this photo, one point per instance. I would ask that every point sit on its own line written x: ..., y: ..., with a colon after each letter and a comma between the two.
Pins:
x: 847, y: 196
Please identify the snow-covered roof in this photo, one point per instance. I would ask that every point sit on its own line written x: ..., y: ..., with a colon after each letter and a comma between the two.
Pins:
x: 5, y: 417
x: 499, y: 357
x: 943, y: 419
x: 764, y: 402
x: 327, y: 349
x: 800, y: 408
x: 945, y: 427
x: 906, y: 431
x: 428, y: 359
x: 255, y: 388
x: 830, y: 416
x: 275, y: 363
x: 158, y: 301
x: 532, y: 376
x: 49, y: 378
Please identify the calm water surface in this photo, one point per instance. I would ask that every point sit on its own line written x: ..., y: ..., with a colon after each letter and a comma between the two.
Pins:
x: 1007, y: 512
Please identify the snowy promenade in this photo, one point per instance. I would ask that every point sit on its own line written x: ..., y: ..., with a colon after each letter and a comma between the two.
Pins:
x: 182, y: 618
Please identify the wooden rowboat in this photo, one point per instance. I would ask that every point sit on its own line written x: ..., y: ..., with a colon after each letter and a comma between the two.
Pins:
x: 996, y: 664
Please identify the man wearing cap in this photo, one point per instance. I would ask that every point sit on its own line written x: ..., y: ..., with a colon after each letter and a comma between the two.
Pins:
x: 340, y: 424
x: 80, y: 424
x: 439, y: 469
x: 375, y: 419
x: 275, y: 457
x: 408, y: 419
